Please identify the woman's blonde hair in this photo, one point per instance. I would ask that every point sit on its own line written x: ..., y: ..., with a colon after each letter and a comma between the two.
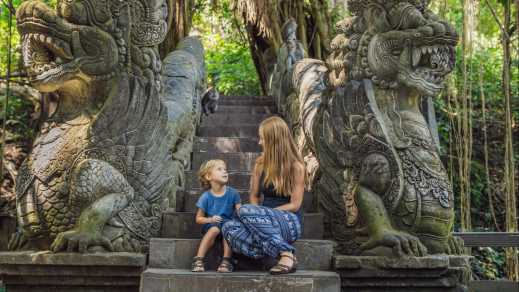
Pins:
x: 205, y: 170
x: 279, y: 154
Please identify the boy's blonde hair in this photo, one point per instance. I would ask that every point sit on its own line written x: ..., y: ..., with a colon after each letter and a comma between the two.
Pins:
x: 206, y: 169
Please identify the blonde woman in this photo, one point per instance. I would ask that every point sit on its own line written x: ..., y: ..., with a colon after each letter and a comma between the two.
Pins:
x: 272, y: 221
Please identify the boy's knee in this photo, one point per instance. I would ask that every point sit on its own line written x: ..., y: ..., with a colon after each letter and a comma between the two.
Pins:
x: 214, y: 230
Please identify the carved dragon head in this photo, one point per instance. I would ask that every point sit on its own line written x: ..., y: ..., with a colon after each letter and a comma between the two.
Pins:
x: 90, y: 39
x: 394, y: 43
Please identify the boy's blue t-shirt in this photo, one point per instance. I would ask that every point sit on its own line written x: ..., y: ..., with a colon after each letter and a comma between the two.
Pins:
x: 218, y: 206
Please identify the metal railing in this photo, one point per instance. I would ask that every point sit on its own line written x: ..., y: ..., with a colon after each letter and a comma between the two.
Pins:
x: 491, y: 239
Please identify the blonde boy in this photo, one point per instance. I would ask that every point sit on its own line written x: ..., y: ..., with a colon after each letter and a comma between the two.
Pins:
x: 215, y: 206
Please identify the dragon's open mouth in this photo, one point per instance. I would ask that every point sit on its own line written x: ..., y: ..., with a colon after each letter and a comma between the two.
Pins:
x: 432, y: 63
x: 45, y: 57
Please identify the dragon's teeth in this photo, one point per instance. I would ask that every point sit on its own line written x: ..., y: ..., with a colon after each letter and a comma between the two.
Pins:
x: 417, y: 55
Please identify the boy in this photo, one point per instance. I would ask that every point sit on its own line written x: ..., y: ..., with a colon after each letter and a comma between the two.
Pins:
x: 216, y: 205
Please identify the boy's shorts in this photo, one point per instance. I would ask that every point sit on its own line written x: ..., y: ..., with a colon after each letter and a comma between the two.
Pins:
x: 207, y: 226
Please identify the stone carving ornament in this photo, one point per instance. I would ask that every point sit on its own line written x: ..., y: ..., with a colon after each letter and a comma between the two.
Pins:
x: 102, y: 166
x: 382, y: 184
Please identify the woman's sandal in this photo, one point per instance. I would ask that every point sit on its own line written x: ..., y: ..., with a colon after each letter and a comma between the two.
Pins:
x: 198, y: 265
x: 225, y: 266
x: 280, y: 269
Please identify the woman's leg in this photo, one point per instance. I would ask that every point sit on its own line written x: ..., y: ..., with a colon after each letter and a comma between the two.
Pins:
x: 241, y: 240
x: 274, y: 229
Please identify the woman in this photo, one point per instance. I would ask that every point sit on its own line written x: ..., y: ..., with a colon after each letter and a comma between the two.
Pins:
x: 279, y: 176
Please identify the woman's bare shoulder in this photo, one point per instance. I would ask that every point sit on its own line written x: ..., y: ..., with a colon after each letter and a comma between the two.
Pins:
x: 298, y: 167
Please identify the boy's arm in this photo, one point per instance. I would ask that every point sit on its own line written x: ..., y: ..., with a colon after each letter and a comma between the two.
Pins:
x: 201, y: 219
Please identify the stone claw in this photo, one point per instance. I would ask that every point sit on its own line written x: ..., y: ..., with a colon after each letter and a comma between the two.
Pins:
x: 79, y: 241
x: 402, y: 244
x: 455, y: 246
x: 17, y: 241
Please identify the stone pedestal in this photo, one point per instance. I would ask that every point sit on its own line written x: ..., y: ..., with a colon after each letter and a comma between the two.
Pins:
x: 172, y: 280
x: 45, y: 271
x: 7, y: 227
x: 425, y: 274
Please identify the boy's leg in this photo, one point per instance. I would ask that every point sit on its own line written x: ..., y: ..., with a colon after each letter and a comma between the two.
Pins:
x: 226, y: 265
x: 207, y: 241
x: 227, y: 252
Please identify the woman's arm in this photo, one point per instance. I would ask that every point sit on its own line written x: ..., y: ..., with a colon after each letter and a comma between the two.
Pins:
x: 296, y: 198
x: 254, y: 197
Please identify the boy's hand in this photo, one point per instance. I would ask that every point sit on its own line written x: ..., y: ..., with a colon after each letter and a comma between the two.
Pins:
x: 216, y: 219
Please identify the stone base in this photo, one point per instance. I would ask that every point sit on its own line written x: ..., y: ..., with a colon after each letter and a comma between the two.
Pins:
x: 425, y: 274
x: 171, y: 280
x: 45, y: 271
x: 7, y: 227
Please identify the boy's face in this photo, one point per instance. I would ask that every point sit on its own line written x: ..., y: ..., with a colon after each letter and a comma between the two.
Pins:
x: 219, y: 174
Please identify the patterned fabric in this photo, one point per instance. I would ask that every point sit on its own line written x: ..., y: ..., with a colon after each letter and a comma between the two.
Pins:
x: 260, y: 231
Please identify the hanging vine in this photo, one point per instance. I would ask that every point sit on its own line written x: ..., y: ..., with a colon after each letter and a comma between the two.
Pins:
x: 7, y: 91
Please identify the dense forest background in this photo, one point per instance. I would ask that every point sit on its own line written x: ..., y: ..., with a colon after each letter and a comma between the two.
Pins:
x: 477, y: 112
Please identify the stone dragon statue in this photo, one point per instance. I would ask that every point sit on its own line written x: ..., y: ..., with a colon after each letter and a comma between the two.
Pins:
x: 382, y: 183
x: 103, y: 164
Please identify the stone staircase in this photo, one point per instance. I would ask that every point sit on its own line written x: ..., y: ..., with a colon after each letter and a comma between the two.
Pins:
x: 231, y: 135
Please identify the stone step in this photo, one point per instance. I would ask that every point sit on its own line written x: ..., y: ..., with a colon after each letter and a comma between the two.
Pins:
x: 182, y: 225
x: 236, y: 162
x: 246, y: 97
x: 223, y: 119
x: 175, y: 253
x: 237, y: 180
x: 247, y: 102
x: 188, y: 202
x: 232, y: 109
x: 225, y: 145
x: 168, y: 280
x: 246, y: 131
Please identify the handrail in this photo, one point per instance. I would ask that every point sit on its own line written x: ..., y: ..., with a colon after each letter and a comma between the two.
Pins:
x: 489, y: 239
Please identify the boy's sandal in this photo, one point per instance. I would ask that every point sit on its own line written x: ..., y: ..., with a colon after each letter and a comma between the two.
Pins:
x: 280, y: 269
x: 225, y: 266
x: 198, y: 264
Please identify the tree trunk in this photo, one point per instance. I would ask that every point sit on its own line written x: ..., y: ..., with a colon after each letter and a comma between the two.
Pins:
x: 181, y: 16
x: 464, y: 118
x: 512, y: 265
